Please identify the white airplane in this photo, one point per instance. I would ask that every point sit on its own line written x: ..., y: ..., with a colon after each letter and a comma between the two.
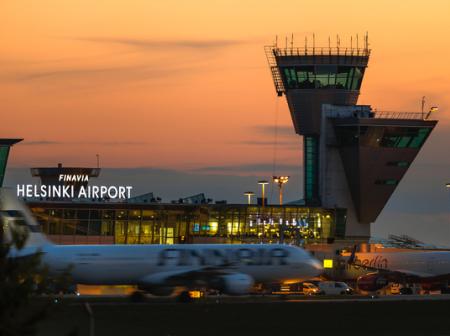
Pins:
x: 159, y: 269
x: 431, y: 269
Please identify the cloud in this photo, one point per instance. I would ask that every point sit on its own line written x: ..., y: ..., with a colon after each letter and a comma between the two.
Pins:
x: 283, y: 130
x: 248, y: 168
x: 40, y: 143
x: 102, y: 143
x: 140, y: 43
x: 286, y: 144
x: 139, y: 71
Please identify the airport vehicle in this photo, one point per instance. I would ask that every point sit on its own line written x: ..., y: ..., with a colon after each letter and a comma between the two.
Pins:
x: 326, y: 288
x: 159, y: 269
x: 310, y: 289
x: 333, y: 288
x: 429, y: 268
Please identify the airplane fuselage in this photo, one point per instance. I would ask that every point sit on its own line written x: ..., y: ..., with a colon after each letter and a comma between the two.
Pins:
x: 132, y: 264
x: 423, y: 263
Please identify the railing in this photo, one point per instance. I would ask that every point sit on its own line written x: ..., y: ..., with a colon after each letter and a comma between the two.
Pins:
x: 318, y: 51
x: 277, y: 80
x: 401, y: 115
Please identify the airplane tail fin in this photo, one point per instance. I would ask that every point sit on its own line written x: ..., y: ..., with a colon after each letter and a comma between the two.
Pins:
x: 16, y: 217
x: 352, y: 258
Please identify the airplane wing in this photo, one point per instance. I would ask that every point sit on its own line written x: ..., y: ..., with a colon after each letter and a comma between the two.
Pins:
x: 216, y: 277
x: 187, y: 276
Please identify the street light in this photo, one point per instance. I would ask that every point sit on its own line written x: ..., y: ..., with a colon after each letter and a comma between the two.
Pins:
x: 263, y: 189
x: 249, y: 195
x: 280, y: 180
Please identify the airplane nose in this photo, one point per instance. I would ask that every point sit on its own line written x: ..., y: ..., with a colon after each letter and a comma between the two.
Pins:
x: 315, y: 267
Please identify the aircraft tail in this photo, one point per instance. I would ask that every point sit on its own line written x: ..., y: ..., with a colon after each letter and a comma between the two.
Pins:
x: 352, y: 258
x: 14, y: 214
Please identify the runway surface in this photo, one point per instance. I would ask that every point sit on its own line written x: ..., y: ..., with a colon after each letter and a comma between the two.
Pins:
x: 252, y: 315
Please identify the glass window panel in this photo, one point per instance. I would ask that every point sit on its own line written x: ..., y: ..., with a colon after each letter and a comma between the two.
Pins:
x: 83, y: 214
x: 82, y: 227
x: 357, y: 78
x: 108, y: 214
x: 95, y: 214
x: 107, y: 228
x: 120, y: 231
x: 95, y: 227
x: 403, y: 141
x: 323, y: 74
x: 68, y: 227
x: 148, y: 214
x: 55, y: 213
x: 4, y: 150
x: 134, y: 214
x: 342, y: 77
x: 418, y: 140
x: 121, y: 214
x: 70, y: 213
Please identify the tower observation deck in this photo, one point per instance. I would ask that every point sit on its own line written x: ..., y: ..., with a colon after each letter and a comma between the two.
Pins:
x: 354, y: 157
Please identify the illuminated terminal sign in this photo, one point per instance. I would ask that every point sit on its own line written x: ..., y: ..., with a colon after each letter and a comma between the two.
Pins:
x: 73, y: 186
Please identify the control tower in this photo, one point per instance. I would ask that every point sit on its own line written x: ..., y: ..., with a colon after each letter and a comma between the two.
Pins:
x: 354, y: 157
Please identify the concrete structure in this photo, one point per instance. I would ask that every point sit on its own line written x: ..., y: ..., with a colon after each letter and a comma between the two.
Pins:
x: 353, y: 157
x: 76, y: 176
x: 5, y: 145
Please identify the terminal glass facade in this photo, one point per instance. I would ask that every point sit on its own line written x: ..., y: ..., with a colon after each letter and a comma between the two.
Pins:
x: 170, y: 224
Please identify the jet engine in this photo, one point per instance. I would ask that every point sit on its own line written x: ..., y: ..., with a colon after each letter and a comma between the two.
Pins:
x: 236, y: 284
x: 371, y: 282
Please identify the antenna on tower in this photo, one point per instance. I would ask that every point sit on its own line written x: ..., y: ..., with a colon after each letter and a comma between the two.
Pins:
x: 286, y: 43
x: 276, y: 41
x: 314, y: 42
x: 306, y: 43
x: 292, y: 41
x: 367, y: 41
x: 357, y: 42
x: 423, y: 105
x: 329, y: 43
x: 351, y: 42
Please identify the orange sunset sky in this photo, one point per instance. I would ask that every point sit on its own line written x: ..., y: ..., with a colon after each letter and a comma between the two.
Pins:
x: 184, y: 85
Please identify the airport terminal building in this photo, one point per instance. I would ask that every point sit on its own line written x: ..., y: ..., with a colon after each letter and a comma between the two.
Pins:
x: 157, y: 223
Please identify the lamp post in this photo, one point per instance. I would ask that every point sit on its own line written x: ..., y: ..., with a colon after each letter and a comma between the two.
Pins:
x: 249, y: 195
x: 263, y: 189
x: 280, y: 180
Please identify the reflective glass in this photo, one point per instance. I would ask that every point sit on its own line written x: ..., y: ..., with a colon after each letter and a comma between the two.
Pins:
x: 4, y: 150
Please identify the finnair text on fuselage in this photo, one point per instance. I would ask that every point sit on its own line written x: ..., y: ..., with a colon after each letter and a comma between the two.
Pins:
x: 221, y: 257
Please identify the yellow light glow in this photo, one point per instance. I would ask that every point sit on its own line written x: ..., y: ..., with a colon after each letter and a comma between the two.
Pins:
x: 213, y: 227
x: 327, y: 263
x: 195, y: 294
